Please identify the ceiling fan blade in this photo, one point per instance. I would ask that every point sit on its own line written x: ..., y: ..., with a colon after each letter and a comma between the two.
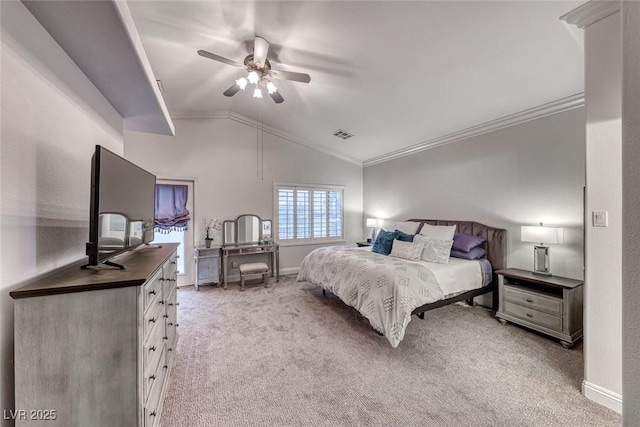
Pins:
x: 232, y: 90
x: 278, y: 99
x: 290, y: 75
x: 260, y: 51
x: 219, y: 58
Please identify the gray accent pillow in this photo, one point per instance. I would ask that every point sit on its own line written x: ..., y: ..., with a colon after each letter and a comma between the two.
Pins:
x: 435, y: 250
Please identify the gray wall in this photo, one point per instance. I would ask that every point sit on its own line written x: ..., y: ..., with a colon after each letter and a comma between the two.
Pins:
x: 221, y: 155
x: 520, y: 175
x: 631, y: 207
x: 52, y: 117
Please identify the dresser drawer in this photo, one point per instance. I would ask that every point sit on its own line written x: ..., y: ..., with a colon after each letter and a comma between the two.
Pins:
x: 546, y: 303
x: 152, y: 290
x: 153, y: 317
x: 152, y: 350
x: 155, y: 375
x: 151, y: 409
x: 540, y: 318
x: 170, y: 266
x: 169, y: 284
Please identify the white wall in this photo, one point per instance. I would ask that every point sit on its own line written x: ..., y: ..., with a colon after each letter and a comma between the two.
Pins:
x: 631, y: 207
x: 222, y: 155
x: 603, y: 274
x: 51, y: 118
x: 516, y: 176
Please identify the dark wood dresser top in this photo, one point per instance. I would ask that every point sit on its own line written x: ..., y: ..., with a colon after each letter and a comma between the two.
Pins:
x: 141, y: 263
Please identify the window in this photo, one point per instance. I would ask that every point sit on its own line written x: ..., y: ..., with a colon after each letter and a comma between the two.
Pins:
x: 309, y: 213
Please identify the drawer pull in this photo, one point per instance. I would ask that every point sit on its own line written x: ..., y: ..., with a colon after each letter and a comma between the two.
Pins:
x: 152, y: 320
x: 170, y: 304
x: 152, y: 377
x: 170, y: 323
x: 153, y: 414
x: 166, y: 366
x: 161, y: 302
x: 162, y: 279
x: 165, y: 338
x: 177, y: 303
x: 170, y: 349
x: 165, y: 316
x: 529, y: 315
x: 173, y: 262
x: 153, y: 292
x: 153, y: 348
x: 176, y: 325
x: 529, y: 300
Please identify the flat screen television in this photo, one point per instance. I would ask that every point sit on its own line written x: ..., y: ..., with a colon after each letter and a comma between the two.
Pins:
x: 122, y: 207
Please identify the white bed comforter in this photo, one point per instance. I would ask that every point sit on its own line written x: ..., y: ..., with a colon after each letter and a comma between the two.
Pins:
x: 383, y: 289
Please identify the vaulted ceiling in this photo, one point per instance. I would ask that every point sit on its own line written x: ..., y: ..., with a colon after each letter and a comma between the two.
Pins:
x: 393, y: 73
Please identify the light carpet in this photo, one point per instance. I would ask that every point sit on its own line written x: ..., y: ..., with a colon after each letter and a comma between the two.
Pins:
x: 289, y: 356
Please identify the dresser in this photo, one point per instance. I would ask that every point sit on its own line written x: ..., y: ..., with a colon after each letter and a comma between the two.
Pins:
x: 95, y: 347
x: 207, y: 265
x: 552, y: 305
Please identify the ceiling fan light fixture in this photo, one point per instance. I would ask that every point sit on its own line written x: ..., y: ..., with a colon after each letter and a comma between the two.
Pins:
x: 242, y: 82
x: 257, y: 93
x: 271, y: 88
x: 253, y: 77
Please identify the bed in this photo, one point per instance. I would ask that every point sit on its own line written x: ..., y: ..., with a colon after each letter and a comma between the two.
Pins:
x: 388, y: 291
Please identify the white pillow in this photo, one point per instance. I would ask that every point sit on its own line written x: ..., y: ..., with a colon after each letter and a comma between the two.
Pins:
x: 406, y: 250
x: 408, y: 227
x: 440, y: 232
x: 435, y: 250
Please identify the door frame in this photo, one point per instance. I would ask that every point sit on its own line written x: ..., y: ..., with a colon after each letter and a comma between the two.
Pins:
x: 188, y: 278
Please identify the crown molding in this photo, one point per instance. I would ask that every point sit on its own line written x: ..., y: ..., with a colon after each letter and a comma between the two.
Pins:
x: 591, y: 12
x: 265, y: 128
x: 554, y: 107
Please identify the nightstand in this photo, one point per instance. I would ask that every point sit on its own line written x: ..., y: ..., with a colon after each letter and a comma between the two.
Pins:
x: 362, y: 244
x: 548, y: 304
x: 207, y: 265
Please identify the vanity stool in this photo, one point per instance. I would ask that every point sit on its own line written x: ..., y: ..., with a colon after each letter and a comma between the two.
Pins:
x: 253, y: 268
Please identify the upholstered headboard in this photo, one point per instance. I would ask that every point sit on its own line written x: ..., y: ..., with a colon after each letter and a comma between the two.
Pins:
x: 496, y: 238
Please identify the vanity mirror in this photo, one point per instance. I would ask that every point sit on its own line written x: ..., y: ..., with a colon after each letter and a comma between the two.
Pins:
x: 247, y: 229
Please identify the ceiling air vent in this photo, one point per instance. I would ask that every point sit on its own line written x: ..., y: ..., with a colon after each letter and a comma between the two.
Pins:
x: 342, y: 134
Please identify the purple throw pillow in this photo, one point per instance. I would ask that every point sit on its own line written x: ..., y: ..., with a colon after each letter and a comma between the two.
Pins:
x: 475, y: 253
x: 464, y: 242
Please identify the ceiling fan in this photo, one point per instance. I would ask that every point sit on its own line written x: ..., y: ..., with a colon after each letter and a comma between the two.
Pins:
x: 260, y: 72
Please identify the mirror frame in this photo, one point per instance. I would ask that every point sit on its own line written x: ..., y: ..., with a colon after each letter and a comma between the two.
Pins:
x: 261, y: 223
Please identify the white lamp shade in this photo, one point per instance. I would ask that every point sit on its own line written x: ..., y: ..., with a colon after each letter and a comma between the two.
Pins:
x: 372, y: 222
x: 544, y: 235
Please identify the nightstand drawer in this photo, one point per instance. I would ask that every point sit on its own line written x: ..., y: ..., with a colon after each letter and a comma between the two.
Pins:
x: 534, y: 316
x: 537, y: 301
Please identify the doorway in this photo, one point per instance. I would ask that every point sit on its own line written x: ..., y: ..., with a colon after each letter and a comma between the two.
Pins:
x: 184, y: 238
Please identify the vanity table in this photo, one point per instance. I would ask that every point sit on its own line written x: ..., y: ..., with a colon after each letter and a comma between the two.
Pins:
x: 249, y: 235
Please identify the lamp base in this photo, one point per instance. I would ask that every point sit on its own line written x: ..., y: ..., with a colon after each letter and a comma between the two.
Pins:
x: 541, y: 263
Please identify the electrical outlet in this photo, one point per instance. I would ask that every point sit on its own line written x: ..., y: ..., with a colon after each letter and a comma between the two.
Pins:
x: 234, y: 264
x: 600, y: 219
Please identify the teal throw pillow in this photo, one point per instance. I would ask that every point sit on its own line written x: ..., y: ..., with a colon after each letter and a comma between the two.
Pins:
x: 383, y: 242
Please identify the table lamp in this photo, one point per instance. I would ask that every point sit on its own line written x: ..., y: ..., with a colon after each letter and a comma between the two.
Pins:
x: 373, y: 223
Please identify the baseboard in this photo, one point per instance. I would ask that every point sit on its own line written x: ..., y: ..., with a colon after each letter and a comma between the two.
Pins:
x: 602, y: 396
x: 291, y: 270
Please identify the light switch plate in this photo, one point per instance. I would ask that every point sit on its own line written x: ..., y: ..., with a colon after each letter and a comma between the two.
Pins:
x: 600, y: 219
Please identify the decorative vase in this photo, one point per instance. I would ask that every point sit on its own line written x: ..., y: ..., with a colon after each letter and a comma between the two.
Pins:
x: 207, y: 242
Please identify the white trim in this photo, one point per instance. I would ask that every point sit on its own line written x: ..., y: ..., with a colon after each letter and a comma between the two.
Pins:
x: 591, y: 12
x: 554, y: 107
x: 268, y: 129
x: 602, y: 396
x: 290, y: 270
